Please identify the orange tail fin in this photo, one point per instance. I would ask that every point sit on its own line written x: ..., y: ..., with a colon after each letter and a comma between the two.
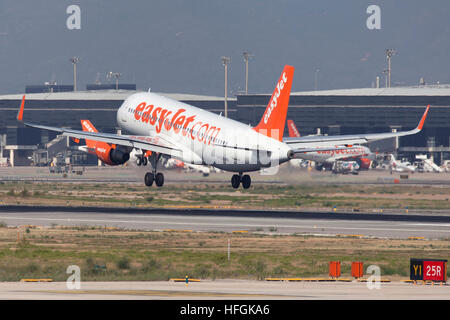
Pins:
x: 273, y: 120
x: 88, y: 126
x: 293, y: 132
x: 99, y: 148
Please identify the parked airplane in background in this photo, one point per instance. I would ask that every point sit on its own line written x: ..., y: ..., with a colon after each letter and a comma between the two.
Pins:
x: 172, y: 129
x: 326, y: 159
x: 399, y: 166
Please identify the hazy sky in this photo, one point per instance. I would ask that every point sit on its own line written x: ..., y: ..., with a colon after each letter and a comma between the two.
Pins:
x: 176, y: 46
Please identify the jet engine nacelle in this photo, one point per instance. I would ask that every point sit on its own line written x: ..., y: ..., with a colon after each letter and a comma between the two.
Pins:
x: 118, y: 156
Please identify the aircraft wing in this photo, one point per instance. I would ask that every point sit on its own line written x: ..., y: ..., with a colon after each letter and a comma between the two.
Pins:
x: 309, y: 142
x: 154, y: 144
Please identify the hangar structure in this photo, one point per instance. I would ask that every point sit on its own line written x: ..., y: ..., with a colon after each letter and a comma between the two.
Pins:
x: 331, y: 112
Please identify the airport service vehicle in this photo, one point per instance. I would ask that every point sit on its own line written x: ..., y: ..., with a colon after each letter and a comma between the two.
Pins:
x: 327, y: 158
x: 345, y: 167
x: 400, y: 166
x: 430, y: 166
x: 446, y: 166
x: 427, y: 164
x: 172, y: 129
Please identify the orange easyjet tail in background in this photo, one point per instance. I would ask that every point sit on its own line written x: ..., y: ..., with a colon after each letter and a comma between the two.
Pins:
x: 91, y: 144
x: 104, y: 151
x: 273, y: 120
x: 293, y: 132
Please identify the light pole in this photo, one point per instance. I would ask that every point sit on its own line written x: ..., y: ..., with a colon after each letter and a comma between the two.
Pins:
x: 225, y: 62
x: 386, y: 72
x: 74, y: 61
x: 246, y: 55
x: 115, y: 75
x: 316, y: 80
x: 389, y: 54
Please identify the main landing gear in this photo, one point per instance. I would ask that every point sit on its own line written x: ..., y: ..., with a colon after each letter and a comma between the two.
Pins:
x: 236, y: 180
x: 158, y: 178
x: 154, y: 176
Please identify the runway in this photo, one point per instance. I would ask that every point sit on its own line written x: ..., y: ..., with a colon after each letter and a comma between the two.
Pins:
x: 223, y: 290
x: 275, y: 222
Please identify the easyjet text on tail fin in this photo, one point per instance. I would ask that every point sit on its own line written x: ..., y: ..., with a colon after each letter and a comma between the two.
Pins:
x: 293, y: 132
x: 103, y: 150
x: 274, y: 118
x: 88, y: 126
x: 92, y: 144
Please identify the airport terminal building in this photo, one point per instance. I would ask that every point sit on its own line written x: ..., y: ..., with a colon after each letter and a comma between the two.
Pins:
x: 331, y: 112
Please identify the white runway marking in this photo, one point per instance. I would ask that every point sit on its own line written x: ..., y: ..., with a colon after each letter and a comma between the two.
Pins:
x: 429, y: 224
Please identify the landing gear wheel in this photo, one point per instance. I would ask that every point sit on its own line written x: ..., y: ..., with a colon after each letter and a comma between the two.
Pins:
x: 246, y: 181
x: 144, y: 161
x: 138, y: 161
x: 159, y: 179
x: 235, y: 181
x: 149, y: 177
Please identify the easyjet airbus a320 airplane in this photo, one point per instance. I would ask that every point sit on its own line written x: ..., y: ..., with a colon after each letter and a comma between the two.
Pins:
x: 173, y: 129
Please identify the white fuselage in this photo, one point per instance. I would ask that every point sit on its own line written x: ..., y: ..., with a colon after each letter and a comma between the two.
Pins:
x: 401, y: 166
x: 203, y: 137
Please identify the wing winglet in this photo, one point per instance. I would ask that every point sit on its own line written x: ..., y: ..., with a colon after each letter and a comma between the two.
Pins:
x: 422, y: 121
x: 20, y: 113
